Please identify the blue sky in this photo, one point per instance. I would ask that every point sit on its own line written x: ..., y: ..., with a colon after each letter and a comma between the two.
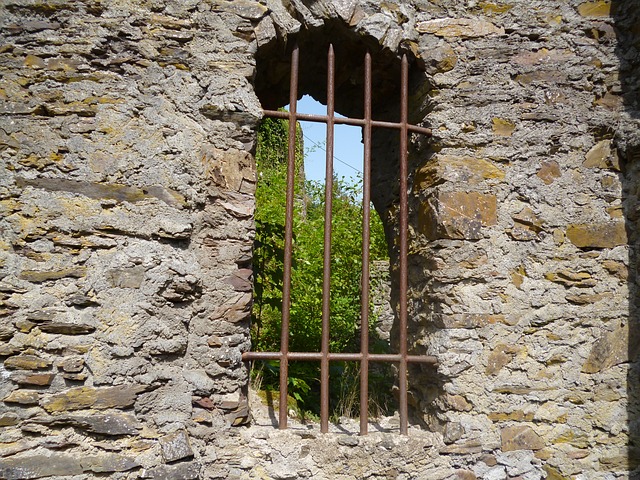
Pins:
x: 348, y: 149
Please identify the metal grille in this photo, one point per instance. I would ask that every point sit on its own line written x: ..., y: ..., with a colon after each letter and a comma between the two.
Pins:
x: 402, y: 358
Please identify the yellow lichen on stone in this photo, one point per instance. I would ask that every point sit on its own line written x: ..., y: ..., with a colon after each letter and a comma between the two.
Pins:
x: 503, y: 127
x: 577, y: 440
x: 441, y: 167
x: 598, y: 235
x: 515, y: 416
x: 553, y: 19
x: 31, y: 61
x: 517, y: 276
x: 490, y: 8
x: 553, y: 474
x: 600, y: 8
x: 42, y: 276
x: 35, y: 161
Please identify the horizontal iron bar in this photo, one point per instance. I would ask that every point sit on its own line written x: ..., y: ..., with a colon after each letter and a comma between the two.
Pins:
x: 359, y: 122
x: 338, y: 357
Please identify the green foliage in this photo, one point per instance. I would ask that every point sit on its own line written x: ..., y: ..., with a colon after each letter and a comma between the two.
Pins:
x: 306, y: 286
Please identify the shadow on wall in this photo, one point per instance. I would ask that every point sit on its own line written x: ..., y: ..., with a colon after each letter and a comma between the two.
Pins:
x: 626, y: 15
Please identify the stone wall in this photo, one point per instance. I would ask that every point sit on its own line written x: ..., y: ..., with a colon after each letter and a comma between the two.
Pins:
x: 126, y: 191
x: 522, y: 237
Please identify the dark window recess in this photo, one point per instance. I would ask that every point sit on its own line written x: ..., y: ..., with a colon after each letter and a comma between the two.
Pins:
x: 402, y: 358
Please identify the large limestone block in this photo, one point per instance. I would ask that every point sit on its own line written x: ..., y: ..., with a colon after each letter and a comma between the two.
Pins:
x: 599, y: 8
x: 520, y: 437
x: 611, y: 349
x: 26, y: 362
x: 457, y: 215
x: 122, y: 396
x: 37, y: 466
x: 175, y: 446
x: 454, y: 168
x: 601, y: 155
x: 598, y: 235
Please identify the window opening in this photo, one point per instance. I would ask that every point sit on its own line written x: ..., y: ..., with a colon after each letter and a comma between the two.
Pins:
x: 325, y: 356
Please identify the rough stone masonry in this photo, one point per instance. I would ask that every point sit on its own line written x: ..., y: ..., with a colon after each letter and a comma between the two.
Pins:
x: 126, y: 137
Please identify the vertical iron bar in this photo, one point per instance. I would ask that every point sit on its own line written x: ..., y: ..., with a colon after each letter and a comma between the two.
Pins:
x: 402, y: 376
x: 366, y: 215
x: 326, y: 271
x: 288, y: 241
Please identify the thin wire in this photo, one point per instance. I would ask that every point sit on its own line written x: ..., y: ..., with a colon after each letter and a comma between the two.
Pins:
x: 334, y: 157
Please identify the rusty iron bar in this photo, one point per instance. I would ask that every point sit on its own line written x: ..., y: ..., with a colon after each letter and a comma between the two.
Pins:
x: 288, y: 241
x: 326, y: 269
x: 325, y: 356
x: 340, y: 357
x: 358, y: 122
x: 366, y: 225
x: 403, y: 281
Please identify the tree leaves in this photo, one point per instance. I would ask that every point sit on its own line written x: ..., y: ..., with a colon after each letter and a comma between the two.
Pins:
x: 308, y: 252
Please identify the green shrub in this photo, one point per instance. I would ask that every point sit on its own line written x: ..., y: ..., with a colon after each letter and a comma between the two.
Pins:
x: 307, y: 269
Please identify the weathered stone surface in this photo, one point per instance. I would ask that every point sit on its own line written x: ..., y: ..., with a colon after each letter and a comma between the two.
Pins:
x: 515, y: 416
x: 586, y: 299
x: 121, y: 193
x: 26, y: 362
x: 465, y: 475
x: 598, y: 8
x: 6, y: 332
x: 108, y: 462
x: 175, y: 446
x: 7, y: 449
x: 107, y: 424
x: 181, y: 471
x: 126, y: 277
x: 453, y: 431
x: 527, y: 225
x: 618, y: 269
x: 237, y: 311
x: 244, y: 8
x: 37, y: 466
x: 569, y: 278
x: 499, y: 357
x: 503, y: 127
x: 45, y: 275
x: 459, y: 27
x: 22, y: 397
x: 230, y: 169
x: 442, y: 59
x: 554, y: 474
x: 597, y: 235
x: 466, y: 320
x: 468, y: 448
x: 126, y: 202
x: 7, y: 350
x: 90, y: 397
x: 8, y: 419
x: 240, y: 280
x: 37, y: 379
x: 520, y: 437
x: 601, y: 155
x: 612, y: 349
x: 73, y: 364
x: 549, y: 172
x: 457, y: 403
x: 461, y: 168
x: 458, y: 215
